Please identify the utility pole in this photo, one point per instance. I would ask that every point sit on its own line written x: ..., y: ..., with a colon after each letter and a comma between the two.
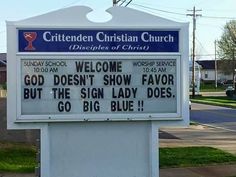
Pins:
x: 194, y: 15
x: 216, y: 78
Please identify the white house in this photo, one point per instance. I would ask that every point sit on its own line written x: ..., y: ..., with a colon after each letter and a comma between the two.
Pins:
x: 209, y: 73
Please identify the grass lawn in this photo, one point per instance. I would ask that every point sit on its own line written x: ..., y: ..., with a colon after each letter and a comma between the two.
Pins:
x: 211, y: 88
x: 20, y: 158
x: 218, y: 101
x: 16, y: 157
x: 194, y: 156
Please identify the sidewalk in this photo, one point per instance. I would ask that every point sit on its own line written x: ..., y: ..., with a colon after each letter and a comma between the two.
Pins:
x: 222, y: 93
x: 199, y: 136
x: 207, y: 171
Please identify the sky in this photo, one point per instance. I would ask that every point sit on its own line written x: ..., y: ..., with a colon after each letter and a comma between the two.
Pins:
x: 209, y: 27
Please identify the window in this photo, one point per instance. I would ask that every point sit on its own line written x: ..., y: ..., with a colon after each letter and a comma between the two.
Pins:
x: 206, y: 75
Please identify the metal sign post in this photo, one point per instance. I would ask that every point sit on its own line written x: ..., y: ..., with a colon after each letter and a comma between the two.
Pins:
x: 97, y: 91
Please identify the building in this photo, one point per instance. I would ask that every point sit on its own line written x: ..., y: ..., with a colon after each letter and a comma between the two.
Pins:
x: 209, y: 74
x: 3, y: 68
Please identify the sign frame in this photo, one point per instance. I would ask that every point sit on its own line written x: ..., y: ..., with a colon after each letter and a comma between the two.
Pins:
x: 100, y: 116
x: 67, y: 21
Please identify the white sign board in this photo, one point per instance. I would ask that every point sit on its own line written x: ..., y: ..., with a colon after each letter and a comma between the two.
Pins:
x: 99, y: 89
x: 93, y: 72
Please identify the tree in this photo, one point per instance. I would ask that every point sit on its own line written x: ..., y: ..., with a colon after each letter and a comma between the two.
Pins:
x: 227, y: 48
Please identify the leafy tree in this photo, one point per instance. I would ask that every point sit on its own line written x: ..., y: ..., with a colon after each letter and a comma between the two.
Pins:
x: 227, y: 48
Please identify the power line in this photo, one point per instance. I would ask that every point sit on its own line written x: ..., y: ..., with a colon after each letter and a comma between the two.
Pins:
x: 122, y: 3
x: 160, y: 10
x: 219, y: 10
x: 215, y: 17
x: 159, y: 13
x: 182, y: 14
x: 128, y: 3
x: 211, y: 25
x: 202, y: 46
x: 149, y: 4
x: 116, y: 2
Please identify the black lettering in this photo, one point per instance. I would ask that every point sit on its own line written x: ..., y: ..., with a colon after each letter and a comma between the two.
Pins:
x: 76, y: 80
x: 63, y: 80
x: 64, y: 107
x: 34, y: 80
x: 124, y: 92
x: 98, y: 66
x: 82, y: 80
x: 27, y: 80
x: 163, y: 92
x: 159, y: 92
x: 90, y: 106
x: 122, y: 106
x: 169, y: 93
x: 73, y: 79
x: 32, y: 93
x: 89, y: 93
x: 144, y: 78
x: 170, y: 79
x: 164, y: 79
x: 124, y: 79
x: 157, y: 79
x: 56, y: 80
x: 26, y: 93
x: 150, y: 92
x: 61, y: 93
x: 79, y: 66
x: 70, y: 79
x: 105, y: 66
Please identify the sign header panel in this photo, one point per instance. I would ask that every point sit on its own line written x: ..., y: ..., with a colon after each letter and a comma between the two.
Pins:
x: 80, y: 40
x: 99, y: 87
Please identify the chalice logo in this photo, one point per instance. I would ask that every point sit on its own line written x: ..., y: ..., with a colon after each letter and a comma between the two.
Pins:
x: 30, y: 37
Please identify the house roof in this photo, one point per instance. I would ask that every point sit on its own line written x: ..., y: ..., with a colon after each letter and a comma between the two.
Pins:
x: 207, y: 64
x: 3, y: 59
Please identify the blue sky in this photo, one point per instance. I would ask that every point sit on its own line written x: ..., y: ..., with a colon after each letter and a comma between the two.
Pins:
x: 209, y: 26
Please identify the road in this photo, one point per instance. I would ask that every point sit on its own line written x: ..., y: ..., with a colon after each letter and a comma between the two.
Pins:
x: 214, y: 115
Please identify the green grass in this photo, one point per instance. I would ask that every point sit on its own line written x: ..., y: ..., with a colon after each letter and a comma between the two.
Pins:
x: 194, y: 156
x: 17, y: 158
x: 193, y: 123
x: 20, y: 158
x: 217, y: 101
x: 211, y: 88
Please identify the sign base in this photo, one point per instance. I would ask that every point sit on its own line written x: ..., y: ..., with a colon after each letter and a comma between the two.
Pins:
x: 100, y: 149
